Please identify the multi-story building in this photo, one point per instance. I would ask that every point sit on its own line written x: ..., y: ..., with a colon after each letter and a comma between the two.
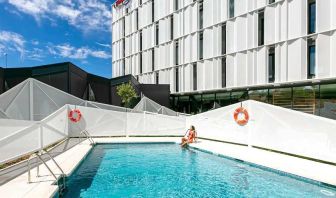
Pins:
x: 223, y: 51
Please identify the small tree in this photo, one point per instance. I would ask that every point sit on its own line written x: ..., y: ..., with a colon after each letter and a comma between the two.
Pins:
x: 126, y: 93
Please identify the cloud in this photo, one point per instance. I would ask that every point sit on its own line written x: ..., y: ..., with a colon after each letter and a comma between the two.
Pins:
x: 68, y: 51
x: 103, y: 45
x: 14, y: 42
x: 35, y: 42
x: 11, y: 41
x: 87, y: 15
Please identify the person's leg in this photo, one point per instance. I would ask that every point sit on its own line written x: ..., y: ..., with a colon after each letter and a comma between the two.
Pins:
x: 183, y: 140
x: 184, y: 144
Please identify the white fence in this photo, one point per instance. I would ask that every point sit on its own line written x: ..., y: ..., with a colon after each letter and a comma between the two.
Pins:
x: 18, y: 137
x: 270, y: 127
x: 273, y: 128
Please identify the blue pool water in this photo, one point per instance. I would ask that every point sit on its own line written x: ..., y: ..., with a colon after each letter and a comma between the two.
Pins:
x: 166, y: 170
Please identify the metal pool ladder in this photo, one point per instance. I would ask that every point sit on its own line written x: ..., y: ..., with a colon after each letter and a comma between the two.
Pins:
x: 60, y: 182
x: 88, y: 136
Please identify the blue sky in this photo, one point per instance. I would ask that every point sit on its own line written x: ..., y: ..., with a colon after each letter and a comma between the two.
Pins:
x: 38, y: 32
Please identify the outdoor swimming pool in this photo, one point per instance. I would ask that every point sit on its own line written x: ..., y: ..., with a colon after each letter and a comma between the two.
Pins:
x: 166, y: 170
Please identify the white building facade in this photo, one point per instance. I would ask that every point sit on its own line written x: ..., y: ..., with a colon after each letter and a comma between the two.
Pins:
x: 210, y: 45
x: 258, y: 36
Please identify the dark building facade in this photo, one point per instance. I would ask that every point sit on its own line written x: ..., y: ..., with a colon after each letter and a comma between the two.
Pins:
x: 73, y: 80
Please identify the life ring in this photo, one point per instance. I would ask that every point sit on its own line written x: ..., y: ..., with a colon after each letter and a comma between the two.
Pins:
x: 241, y: 120
x: 75, y: 115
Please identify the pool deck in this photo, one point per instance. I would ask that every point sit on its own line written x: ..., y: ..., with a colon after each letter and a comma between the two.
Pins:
x: 42, y: 186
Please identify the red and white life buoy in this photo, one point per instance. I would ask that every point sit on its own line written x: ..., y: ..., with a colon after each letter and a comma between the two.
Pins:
x: 241, y: 116
x: 75, y: 115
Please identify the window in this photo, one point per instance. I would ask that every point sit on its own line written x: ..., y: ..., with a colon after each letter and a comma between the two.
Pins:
x: 271, y: 65
x: 171, y: 27
x: 140, y: 2
x: 140, y: 40
x: 126, y: 10
x: 200, y: 22
x: 261, y: 28
x: 137, y: 18
x: 195, y: 76
x: 123, y: 67
x: 140, y: 62
x: 223, y: 64
x: 231, y: 8
x: 157, y: 78
x: 157, y: 33
x: 153, y: 59
x: 123, y: 45
x: 176, y: 79
x: 176, y: 52
x: 140, y: 51
x: 153, y: 15
x: 200, y: 52
x: 223, y: 35
x: 271, y: 1
x: 176, y: 5
x: 311, y: 58
x: 311, y: 16
x: 123, y: 26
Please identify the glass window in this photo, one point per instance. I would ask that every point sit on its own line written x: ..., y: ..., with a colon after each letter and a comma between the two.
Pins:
x: 140, y: 40
x: 271, y: 65
x: 223, y: 99
x: 231, y: 8
x: 153, y: 59
x: 311, y: 59
x: 328, y: 101
x: 137, y: 18
x: 200, y: 23
x: 208, y: 102
x: 176, y: 79
x: 259, y: 95
x: 176, y: 52
x: 311, y: 16
x: 157, y: 78
x: 123, y: 67
x: 140, y: 62
x: 195, y: 76
x: 153, y: 6
x: 157, y: 33
x: 195, y: 104
x: 200, y: 52
x: 176, y: 5
x: 271, y: 1
x: 183, y: 104
x: 305, y: 99
x: 281, y: 97
x: 223, y: 35
x: 261, y: 27
x: 171, y: 27
x: 239, y: 96
x: 223, y: 65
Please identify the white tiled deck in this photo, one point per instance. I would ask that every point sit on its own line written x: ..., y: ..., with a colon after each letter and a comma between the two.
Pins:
x: 42, y: 186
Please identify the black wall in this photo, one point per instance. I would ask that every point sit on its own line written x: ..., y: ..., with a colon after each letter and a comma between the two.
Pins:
x: 71, y: 79
x: 2, y: 80
x: 100, y: 87
x: 158, y: 93
x: 78, y: 82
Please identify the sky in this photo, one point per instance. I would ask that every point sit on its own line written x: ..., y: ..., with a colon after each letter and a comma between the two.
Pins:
x: 39, y: 32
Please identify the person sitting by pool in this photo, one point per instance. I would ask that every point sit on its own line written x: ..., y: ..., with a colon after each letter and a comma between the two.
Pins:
x: 190, y: 136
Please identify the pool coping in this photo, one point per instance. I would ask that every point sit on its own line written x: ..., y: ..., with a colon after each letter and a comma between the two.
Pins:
x: 233, y: 152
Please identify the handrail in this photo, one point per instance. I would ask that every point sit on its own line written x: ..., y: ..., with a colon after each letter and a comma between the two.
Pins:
x: 38, y: 155
x: 88, y: 136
